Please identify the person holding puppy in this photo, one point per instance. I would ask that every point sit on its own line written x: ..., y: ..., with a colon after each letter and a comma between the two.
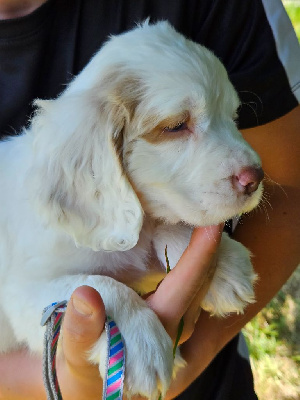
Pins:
x: 42, y: 44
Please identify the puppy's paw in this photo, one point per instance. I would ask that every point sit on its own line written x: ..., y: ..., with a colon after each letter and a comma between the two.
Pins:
x: 232, y: 286
x: 149, y: 358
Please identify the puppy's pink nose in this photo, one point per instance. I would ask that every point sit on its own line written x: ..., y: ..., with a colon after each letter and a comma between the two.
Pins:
x: 248, y: 180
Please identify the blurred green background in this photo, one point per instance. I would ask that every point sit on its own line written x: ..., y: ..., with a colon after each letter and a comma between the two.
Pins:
x: 293, y: 10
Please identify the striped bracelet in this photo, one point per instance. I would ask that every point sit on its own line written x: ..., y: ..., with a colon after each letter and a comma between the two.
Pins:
x: 115, y: 365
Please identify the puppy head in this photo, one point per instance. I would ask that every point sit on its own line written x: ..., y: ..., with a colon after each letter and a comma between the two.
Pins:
x: 153, y: 111
x: 183, y: 152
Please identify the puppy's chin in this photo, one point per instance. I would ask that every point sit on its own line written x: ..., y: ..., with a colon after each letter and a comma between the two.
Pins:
x: 213, y: 211
x: 253, y: 201
x: 229, y: 207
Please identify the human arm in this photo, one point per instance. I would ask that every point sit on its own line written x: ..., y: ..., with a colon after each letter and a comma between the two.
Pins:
x: 21, y: 373
x: 273, y: 238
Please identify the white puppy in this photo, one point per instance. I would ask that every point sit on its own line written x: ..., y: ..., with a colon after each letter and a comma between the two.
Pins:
x: 140, y: 147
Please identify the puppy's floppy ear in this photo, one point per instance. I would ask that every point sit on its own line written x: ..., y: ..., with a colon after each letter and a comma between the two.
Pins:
x: 77, y: 174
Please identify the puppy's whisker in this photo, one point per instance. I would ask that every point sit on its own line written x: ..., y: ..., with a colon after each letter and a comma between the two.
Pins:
x: 265, y: 200
x: 209, y: 234
x: 254, y: 94
x: 263, y: 206
x: 266, y: 212
x: 268, y: 179
x: 253, y: 104
x: 253, y: 109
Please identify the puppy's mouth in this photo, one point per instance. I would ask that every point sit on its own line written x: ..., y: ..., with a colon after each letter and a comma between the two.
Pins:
x: 207, y: 205
x: 238, y: 194
x: 246, y: 194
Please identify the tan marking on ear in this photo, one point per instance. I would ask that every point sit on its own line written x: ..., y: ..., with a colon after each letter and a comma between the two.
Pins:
x: 121, y: 95
x: 122, y: 89
x: 159, y: 133
x: 127, y: 93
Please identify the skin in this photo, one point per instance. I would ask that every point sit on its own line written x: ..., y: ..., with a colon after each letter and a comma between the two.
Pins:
x: 18, y: 8
x: 274, y: 241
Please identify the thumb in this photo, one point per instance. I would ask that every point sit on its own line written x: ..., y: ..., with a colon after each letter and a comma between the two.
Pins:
x: 83, y: 324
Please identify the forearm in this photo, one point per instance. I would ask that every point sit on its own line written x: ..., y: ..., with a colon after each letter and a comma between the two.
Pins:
x: 21, y: 377
x: 272, y: 233
x: 211, y: 333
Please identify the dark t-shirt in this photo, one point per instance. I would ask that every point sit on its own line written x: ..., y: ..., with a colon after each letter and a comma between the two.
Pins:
x: 40, y: 53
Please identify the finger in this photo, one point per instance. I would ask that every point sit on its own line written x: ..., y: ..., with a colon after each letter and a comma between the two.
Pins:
x: 177, y: 291
x: 193, y: 312
x: 83, y: 324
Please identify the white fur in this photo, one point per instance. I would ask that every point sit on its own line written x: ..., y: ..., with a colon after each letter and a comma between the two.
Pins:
x: 85, y: 194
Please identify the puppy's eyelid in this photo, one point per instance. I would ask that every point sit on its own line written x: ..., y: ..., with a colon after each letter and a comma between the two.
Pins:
x: 181, y: 125
x: 176, y: 128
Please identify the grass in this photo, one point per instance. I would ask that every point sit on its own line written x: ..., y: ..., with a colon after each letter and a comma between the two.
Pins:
x: 273, y: 338
x: 293, y: 11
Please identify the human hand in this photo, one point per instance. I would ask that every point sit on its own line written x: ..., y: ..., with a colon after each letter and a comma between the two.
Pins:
x: 21, y: 375
x: 177, y: 296
x: 83, y: 324
x: 171, y: 301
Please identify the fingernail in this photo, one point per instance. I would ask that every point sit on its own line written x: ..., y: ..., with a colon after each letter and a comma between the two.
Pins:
x: 81, y: 307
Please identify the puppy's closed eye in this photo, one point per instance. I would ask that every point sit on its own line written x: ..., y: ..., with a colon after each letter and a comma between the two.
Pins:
x: 181, y: 126
x: 169, y: 129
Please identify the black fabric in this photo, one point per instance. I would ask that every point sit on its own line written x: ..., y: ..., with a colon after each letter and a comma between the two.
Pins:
x: 228, y: 377
x: 40, y: 53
